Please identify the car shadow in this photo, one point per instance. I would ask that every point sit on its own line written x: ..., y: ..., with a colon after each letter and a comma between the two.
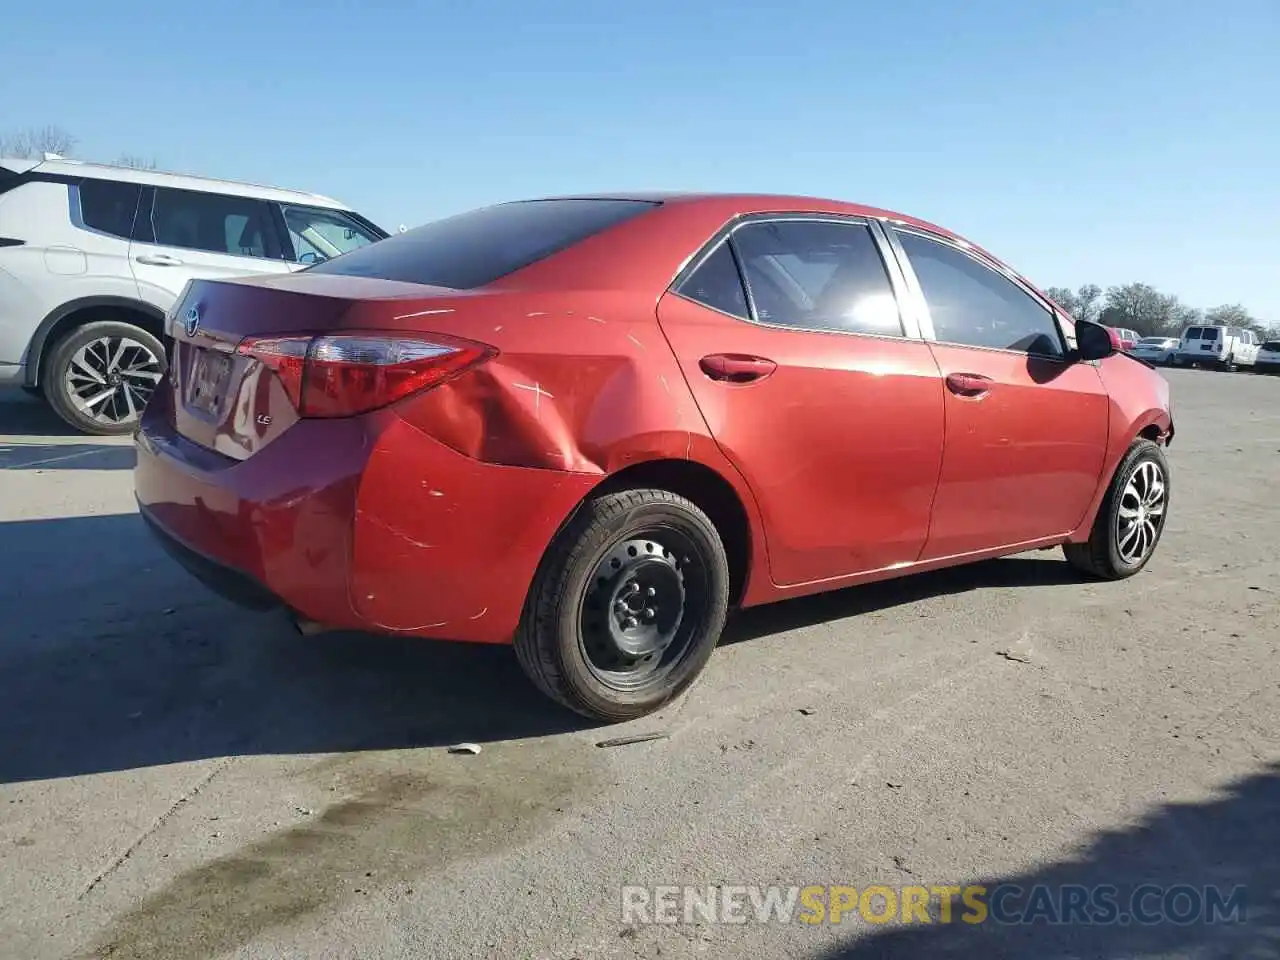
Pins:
x: 66, y: 456
x: 113, y: 658
x: 1189, y: 853
x: 23, y: 415
x: 1019, y: 571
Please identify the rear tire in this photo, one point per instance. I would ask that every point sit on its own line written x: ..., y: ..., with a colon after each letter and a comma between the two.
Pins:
x: 627, y: 607
x: 99, y: 377
x: 1131, y: 518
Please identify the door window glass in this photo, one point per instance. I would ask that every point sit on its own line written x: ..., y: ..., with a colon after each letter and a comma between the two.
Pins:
x: 817, y: 275
x: 319, y: 234
x: 971, y: 304
x: 210, y: 221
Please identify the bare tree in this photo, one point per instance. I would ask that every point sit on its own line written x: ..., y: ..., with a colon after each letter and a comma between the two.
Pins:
x: 35, y: 142
x: 135, y: 162
x: 1234, y: 315
x: 1083, y: 304
x: 1064, y: 298
x: 1088, y: 305
x: 1141, y: 307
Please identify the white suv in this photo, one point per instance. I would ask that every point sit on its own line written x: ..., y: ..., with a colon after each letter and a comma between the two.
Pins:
x: 93, y: 257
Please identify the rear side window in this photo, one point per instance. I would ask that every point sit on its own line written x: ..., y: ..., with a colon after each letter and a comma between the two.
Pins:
x: 717, y: 284
x: 817, y: 275
x: 106, y: 206
x: 212, y: 222
x: 478, y: 247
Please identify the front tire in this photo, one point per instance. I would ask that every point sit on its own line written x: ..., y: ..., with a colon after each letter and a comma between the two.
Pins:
x: 1131, y: 519
x: 627, y: 606
x: 99, y: 377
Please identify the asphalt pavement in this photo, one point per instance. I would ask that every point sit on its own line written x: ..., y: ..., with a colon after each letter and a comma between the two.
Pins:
x: 182, y: 779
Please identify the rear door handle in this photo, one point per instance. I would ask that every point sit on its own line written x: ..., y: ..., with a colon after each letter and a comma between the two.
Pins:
x: 972, y: 385
x: 158, y: 260
x: 736, y: 367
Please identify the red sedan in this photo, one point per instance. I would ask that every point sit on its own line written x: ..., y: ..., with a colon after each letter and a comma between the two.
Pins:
x: 591, y: 426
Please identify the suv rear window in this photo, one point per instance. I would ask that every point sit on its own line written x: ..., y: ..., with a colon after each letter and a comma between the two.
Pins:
x: 477, y: 247
x: 107, y: 206
x: 1272, y: 345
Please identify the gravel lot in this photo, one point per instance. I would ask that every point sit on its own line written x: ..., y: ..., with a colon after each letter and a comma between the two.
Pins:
x: 182, y: 779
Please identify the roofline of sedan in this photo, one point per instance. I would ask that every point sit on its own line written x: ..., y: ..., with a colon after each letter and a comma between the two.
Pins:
x: 753, y: 203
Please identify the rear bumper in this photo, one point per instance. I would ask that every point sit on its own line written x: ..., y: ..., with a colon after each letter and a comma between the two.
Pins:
x: 228, y: 582
x: 363, y: 523
x: 1267, y: 366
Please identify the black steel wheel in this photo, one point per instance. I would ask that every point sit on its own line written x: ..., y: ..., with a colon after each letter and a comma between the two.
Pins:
x: 628, y: 605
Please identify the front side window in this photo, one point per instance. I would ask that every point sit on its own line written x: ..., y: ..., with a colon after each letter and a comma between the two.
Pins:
x: 107, y: 206
x: 973, y: 305
x: 319, y: 234
x: 212, y: 222
x: 476, y: 248
x: 717, y: 284
x: 817, y: 275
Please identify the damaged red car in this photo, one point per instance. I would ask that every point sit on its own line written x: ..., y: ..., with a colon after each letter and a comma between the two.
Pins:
x: 591, y: 426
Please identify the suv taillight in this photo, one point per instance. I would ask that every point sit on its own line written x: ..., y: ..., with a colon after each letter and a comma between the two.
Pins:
x: 339, y: 375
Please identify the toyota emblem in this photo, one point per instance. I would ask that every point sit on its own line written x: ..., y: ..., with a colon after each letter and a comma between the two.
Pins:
x: 192, y: 323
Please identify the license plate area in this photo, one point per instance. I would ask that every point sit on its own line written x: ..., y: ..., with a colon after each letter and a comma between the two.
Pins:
x: 210, y: 375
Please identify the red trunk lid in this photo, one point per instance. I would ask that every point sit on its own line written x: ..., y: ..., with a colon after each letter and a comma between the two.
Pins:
x: 235, y: 404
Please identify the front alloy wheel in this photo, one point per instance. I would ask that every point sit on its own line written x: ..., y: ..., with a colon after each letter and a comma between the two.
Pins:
x: 1141, y: 513
x: 1131, y: 518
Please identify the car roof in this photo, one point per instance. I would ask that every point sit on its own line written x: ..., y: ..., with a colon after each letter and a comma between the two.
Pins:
x: 745, y: 204
x: 81, y: 168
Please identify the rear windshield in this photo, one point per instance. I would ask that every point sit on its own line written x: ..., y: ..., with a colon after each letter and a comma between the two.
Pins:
x: 477, y: 247
x: 1271, y: 345
x: 1209, y: 333
x: 1152, y: 340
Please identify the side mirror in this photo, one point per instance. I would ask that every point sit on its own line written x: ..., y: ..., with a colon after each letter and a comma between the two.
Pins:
x: 1094, y: 341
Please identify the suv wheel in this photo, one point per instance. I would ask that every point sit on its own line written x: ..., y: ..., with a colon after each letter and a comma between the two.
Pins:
x: 99, y: 377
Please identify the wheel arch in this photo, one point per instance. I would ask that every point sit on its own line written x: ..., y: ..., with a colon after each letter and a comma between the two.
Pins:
x: 76, y: 313
x: 1155, y: 425
x: 710, y: 491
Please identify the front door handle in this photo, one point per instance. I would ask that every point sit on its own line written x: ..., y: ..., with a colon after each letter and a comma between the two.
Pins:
x: 736, y: 367
x: 158, y: 260
x: 971, y: 385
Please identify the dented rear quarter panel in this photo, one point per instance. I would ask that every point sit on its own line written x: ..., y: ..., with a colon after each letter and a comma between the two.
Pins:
x: 582, y: 382
x: 487, y: 467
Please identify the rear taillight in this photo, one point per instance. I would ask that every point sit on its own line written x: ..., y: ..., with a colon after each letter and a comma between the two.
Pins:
x: 344, y: 374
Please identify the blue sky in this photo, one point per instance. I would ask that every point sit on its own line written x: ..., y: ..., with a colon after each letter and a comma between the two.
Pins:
x: 1083, y: 142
